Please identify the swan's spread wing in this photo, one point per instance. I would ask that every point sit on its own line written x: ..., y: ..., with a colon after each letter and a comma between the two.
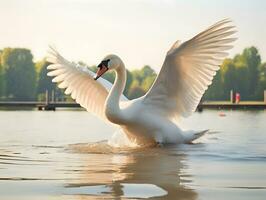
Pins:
x: 188, y: 70
x: 79, y: 83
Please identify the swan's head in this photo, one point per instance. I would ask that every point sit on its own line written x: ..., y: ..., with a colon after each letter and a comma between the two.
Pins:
x: 110, y: 62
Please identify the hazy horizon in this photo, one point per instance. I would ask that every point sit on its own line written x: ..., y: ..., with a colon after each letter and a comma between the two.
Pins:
x: 140, y: 32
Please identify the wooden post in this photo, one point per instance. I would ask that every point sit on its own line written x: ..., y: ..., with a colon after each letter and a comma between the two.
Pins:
x: 53, y: 96
x: 47, y: 97
x: 48, y: 106
x: 232, y: 96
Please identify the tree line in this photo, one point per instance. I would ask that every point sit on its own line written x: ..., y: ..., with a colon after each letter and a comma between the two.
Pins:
x: 23, y: 79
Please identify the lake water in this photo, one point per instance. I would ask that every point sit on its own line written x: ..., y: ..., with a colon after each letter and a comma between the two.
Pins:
x: 64, y: 155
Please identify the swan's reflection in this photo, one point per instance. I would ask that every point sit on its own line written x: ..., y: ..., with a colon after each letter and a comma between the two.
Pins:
x: 158, y: 167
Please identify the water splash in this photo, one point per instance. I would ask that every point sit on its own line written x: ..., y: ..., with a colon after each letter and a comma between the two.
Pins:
x: 118, y: 143
x: 120, y: 140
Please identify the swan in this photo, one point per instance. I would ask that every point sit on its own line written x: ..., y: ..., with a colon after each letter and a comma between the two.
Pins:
x: 186, y: 73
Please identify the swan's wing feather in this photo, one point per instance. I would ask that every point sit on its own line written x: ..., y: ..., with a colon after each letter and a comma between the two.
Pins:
x: 188, y: 70
x: 78, y: 82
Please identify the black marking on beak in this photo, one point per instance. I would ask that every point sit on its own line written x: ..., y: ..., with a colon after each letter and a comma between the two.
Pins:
x: 104, y: 62
x: 102, y: 68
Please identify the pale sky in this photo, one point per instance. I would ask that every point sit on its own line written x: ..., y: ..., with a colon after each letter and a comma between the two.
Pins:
x: 139, y: 31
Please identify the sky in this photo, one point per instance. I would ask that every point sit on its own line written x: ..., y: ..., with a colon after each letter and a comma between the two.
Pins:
x: 138, y: 31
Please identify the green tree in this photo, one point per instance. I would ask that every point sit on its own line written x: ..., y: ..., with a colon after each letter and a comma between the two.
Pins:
x: 147, y: 71
x: 131, y: 93
x: 262, y: 70
x: 20, y: 73
x: 2, y: 78
x: 135, y: 92
x: 253, y: 60
x: 262, y: 82
x: 228, y: 72
x: 148, y: 81
x: 141, y: 74
x: 215, y: 90
x: 128, y: 83
x: 44, y: 81
x: 242, y: 81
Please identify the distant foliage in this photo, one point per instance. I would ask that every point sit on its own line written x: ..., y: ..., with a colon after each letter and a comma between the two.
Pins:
x: 2, y: 78
x: 21, y: 79
x: 20, y: 74
x: 142, y: 80
x: 244, y: 74
x: 44, y: 82
x: 136, y: 92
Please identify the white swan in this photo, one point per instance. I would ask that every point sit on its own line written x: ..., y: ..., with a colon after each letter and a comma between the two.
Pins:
x: 187, y: 71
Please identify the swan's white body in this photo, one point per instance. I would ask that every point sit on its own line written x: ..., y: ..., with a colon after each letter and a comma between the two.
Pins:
x: 187, y: 71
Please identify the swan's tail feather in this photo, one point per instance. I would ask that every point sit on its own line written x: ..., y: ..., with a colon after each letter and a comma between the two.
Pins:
x: 191, y: 136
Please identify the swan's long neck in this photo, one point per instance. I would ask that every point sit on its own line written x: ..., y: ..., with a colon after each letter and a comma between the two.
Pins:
x: 112, y: 108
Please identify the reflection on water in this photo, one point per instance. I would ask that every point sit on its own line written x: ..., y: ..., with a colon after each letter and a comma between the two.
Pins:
x: 153, y: 172
x: 71, y: 172
x: 55, y: 155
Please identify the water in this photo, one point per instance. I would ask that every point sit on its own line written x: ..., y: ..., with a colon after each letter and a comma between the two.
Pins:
x: 65, y: 155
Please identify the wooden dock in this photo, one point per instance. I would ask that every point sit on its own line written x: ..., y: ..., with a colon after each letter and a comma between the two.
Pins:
x: 232, y: 106
x: 39, y: 105
x: 203, y: 105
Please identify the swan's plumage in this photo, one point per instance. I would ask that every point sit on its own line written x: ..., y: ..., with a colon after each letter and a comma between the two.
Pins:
x: 188, y: 70
x: 79, y: 83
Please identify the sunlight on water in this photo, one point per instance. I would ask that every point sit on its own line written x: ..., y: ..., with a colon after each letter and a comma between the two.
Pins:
x: 72, y: 155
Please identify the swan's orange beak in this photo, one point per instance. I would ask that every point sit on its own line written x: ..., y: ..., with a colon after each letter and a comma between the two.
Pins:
x: 101, y: 70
